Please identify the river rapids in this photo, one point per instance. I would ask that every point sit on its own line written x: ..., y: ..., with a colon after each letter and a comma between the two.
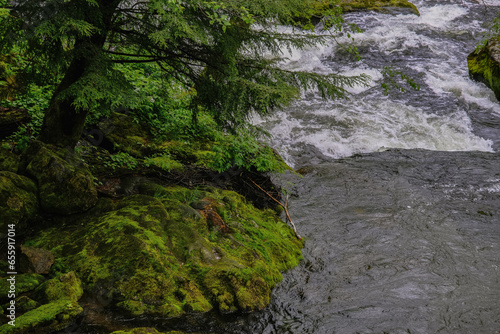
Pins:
x: 400, y: 196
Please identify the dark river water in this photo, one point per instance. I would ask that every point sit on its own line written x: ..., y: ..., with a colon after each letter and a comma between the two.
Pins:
x: 400, y: 195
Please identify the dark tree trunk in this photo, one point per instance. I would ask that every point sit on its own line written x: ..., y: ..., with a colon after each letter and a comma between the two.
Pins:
x: 63, y: 123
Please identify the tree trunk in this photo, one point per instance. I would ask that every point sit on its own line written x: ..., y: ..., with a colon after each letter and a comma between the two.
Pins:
x: 63, y: 123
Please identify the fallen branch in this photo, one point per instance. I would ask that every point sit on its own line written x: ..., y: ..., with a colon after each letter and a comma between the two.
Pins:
x: 284, y: 206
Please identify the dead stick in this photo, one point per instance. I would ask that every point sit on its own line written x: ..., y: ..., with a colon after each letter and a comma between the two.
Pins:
x: 284, y: 206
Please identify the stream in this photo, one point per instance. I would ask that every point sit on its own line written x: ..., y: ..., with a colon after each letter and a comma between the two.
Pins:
x: 400, y: 196
x: 399, y: 199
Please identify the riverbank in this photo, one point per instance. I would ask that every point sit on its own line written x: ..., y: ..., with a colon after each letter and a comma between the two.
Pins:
x: 127, y: 233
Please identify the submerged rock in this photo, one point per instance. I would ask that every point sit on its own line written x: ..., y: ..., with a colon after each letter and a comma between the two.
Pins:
x: 65, y: 184
x: 157, y: 256
x: 484, y: 65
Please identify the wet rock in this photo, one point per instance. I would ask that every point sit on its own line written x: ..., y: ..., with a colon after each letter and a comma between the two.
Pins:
x: 484, y: 65
x: 11, y: 119
x: 35, y: 260
x: 65, y: 184
x: 18, y: 200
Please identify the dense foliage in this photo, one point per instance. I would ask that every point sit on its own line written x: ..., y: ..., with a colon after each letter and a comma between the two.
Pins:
x: 215, y: 59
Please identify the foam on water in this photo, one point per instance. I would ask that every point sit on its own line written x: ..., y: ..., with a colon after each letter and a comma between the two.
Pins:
x: 370, y: 121
x: 440, y: 16
x: 360, y: 127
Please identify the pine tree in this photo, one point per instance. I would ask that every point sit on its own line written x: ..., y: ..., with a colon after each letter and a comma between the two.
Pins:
x: 227, y: 51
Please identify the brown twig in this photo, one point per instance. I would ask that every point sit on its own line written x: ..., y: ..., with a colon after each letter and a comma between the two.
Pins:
x: 284, y: 206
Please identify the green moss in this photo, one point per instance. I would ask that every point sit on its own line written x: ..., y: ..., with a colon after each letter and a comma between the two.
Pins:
x: 25, y: 304
x: 66, y: 286
x: 126, y: 135
x: 18, y: 200
x: 159, y: 256
x: 484, y: 65
x: 164, y: 162
x: 197, y: 153
x: 24, y: 283
x: 384, y: 6
x: 8, y: 160
x: 45, y: 319
x: 65, y: 184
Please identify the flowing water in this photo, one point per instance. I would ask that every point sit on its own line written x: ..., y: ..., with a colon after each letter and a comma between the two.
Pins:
x: 400, y: 199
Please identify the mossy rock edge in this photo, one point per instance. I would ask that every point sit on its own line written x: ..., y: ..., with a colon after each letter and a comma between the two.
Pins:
x: 484, y: 65
x: 383, y: 6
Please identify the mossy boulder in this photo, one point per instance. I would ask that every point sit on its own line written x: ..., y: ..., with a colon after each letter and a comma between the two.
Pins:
x: 161, y: 257
x: 65, y: 185
x: 9, y: 161
x: 484, y: 65
x: 25, y: 304
x: 383, y: 6
x: 59, y: 298
x: 66, y: 286
x: 126, y: 135
x: 18, y: 200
